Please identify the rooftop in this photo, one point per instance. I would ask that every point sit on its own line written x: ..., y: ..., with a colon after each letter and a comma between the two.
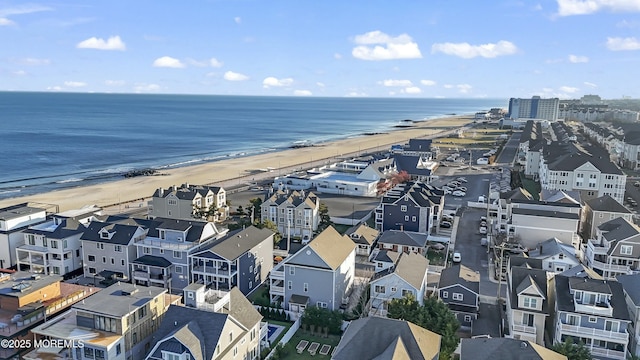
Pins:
x: 119, y: 299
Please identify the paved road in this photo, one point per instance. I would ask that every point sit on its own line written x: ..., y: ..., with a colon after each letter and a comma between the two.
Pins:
x: 508, y: 154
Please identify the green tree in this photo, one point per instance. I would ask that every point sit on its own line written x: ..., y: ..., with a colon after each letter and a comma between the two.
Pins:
x: 325, y: 219
x: 572, y: 350
x: 208, y: 214
x: 268, y: 224
x: 434, y: 315
x: 318, y: 317
x: 255, y: 205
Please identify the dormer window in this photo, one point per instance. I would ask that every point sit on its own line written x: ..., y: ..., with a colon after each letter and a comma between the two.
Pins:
x: 530, y: 302
x: 104, y: 234
x: 626, y: 249
x: 561, y: 256
x: 162, y: 234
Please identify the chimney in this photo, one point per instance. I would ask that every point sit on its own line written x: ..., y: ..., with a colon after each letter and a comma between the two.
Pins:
x: 161, y: 192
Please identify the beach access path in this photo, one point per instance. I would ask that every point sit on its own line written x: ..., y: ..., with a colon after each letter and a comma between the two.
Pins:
x: 233, y: 172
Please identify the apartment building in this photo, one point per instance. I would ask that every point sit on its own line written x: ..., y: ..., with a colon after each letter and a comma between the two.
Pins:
x: 187, y: 201
x: 13, y: 221
x: 412, y: 206
x: 615, y: 250
x: 600, y: 210
x: 295, y: 213
x: 534, y: 108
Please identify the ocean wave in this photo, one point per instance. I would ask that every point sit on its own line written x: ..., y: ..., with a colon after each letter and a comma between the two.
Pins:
x: 2, y: 192
x: 69, y: 180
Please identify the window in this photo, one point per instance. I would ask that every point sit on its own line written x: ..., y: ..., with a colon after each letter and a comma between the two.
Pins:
x: 467, y: 318
x: 113, y: 261
x: 289, y: 285
x: 445, y: 294
x: 44, y: 242
x: 394, y: 289
x: 322, y: 304
x: 190, y: 294
x: 92, y: 270
x: 305, y: 287
x: 292, y: 270
x: 117, y: 248
x: 99, y: 354
x: 32, y: 239
x: 531, y: 303
x: 118, y: 349
x: 78, y: 253
x: 122, y: 262
x: 104, y: 259
x: 235, y: 351
x: 403, y: 208
x: 142, y: 312
x: 457, y: 296
x: 172, y: 202
x: 593, y: 319
x: 380, y: 289
x: 56, y: 270
x: 413, y: 218
x: 162, y: 234
x: 251, y: 268
x: 406, y: 292
x: 177, y: 254
x: 88, y: 352
x: 178, y: 269
x: 104, y: 323
x: 406, y: 218
x: 379, y: 264
x: 626, y: 249
x: 91, y: 258
x: 100, y: 246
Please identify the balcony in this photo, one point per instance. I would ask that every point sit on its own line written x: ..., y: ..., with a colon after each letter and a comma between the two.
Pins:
x: 525, y: 329
x: 595, y: 309
x: 277, y: 273
x: 222, y: 271
x: 152, y: 277
x: 165, y: 244
x: 597, y: 249
x: 581, y: 331
x: 608, y: 353
x: 595, y: 264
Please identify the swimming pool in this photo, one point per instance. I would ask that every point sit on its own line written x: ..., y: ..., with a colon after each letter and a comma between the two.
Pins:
x: 272, y: 329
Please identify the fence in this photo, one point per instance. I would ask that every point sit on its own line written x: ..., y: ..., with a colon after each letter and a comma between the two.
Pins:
x: 285, y: 338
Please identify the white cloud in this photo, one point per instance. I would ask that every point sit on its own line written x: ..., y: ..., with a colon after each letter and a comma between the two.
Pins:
x: 237, y: 19
x: 75, y: 84
x: 356, y: 94
x: 168, y: 61
x: 428, y: 82
x: 464, y: 88
x: 114, y: 82
x: 448, y: 86
x: 19, y: 73
x: 54, y: 88
x: 568, y: 89
x: 35, y: 61
x: 578, y: 59
x: 385, y: 47
x: 392, y: 82
x: 319, y: 84
x: 468, y: 51
x: 590, y: 84
x: 143, y: 87
x: 628, y: 24
x: 584, y: 7
x: 5, y: 13
x: 337, y: 56
x: 275, y: 82
x: 234, y: 76
x: 213, y: 62
x: 302, y: 93
x: 620, y: 44
x: 6, y: 22
x: 412, y: 90
x: 112, y: 43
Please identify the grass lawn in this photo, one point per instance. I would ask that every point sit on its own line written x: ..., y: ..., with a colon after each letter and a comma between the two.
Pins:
x: 436, y: 257
x: 258, y: 294
x: 533, y: 187
x: 291, y: 352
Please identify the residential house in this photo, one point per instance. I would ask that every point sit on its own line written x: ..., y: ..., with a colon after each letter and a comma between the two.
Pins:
x: 407, y: 278
x: 593, y: 312
x: 631, y: 287
x: 13, y: 221
x: 459, y: 288
x: 600, y: 210
x: 383, y: 338
x: 240, y: 259
x: 183, y: 202
x: 108, y: 247
x: 403, y: 241
x: 296, y: 214
x: 528, y: 300
x: 320, y: 274
x: 418, y: 168
x: 412, y: 206
x: 418, y: 147
x: 505, y: 349
x: 27, y: 299
x: 556, y: 256
x: 53, y: 247
x: 364, y: 237
x: 384, y: 259
x: 116, y: 323
x: 163, y: 255
x: 615, y: 250
x: 631, y: 151
x: 227, y: 329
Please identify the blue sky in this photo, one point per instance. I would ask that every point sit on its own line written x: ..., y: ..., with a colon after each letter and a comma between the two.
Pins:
x: 439, y: 48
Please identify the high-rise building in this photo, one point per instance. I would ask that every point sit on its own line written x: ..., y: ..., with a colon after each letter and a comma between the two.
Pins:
x: 534, y: 108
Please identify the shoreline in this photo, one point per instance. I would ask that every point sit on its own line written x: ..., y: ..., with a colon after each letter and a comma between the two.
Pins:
x: 233, y: 171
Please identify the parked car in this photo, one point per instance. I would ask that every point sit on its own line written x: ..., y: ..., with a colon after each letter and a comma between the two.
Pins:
x: 459, y: 193
x: 483, y: 218
x: 484, y: 241
x: 461, y: 179
x: 446, y: 217
x: 637, y: 183
x: 462, y: 188
x: 446, y: 187
x: 482, y: 161
x: 517, y: 249
x: 456, y: 257
x: 445, y: 224
x: 446, y: 191
x: 483, y: 230
x: 483, y: 223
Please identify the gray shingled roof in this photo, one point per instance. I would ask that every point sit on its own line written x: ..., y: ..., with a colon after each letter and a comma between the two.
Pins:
x: 402, y: 238
x: 522, y: 277
x: 564, y: 299
x: 115, y: 302
x: 545, y: 213
x: 155, y: 261
x: 234, y: 245
x: 122, y: 233
x: 608, y: 204
x: 631, y: 285
x: 505, y: 349
x: 460, y: 275
x: 412, y: 268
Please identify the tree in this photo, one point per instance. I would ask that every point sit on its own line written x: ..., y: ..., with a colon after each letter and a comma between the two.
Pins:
x: 434, y: 315
x: 319, y: 317
x: 208, y: 214
x: 572, y: 350
x: 268, y: 224
x: 255, y: 205
x: 325, y: 219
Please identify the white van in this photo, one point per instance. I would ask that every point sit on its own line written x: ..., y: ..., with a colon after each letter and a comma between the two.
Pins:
x: 483, y: 161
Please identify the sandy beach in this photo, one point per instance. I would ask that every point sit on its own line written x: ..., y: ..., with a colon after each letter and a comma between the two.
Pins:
x: 235, y: 171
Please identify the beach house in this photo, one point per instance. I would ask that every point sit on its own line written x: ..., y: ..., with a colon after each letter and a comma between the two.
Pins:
x: 188, y: 202
x: 13, y: 221
x: 615, y: 250
x: 459, y: 288
x: 412, y: 206
x: 295, y: 213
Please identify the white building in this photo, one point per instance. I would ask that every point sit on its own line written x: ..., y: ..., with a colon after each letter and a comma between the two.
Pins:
x: 534, y: 108
x: 13, y: 221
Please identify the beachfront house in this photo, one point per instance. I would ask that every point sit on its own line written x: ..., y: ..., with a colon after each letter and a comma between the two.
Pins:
x: 403, y: 242
x: 600, y: 210
x: 241, y: 259
x: 412, y: 206
x: 382, y: 338
x: 364, y: 237
x: 109, y: 247
x: 615, y: 250
x: 163, y: 255
x: 27, y: 300
x: 320, y: 274
x: 295, y: 213
x: 189, y: 201
x: 416, y: 167
x: 53, y: 247
x: 211, y: 326
x: 116, y: 323
x: 459, y: 288
x: 408, y: 277
x: 593, y: 312
x: 13, y: 221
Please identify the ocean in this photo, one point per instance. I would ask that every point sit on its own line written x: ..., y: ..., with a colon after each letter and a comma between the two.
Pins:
x: 57, y: 140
